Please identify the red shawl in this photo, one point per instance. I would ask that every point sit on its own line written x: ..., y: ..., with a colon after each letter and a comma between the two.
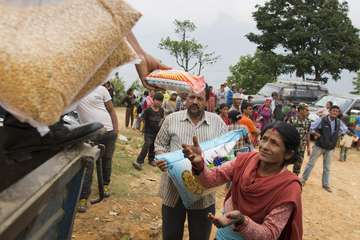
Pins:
x: 256, y: 197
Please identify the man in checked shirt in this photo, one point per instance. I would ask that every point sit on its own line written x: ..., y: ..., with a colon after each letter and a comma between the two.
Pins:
x: 179, y: 128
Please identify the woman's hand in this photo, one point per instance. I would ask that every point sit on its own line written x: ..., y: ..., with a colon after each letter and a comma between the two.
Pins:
x: 227, y: 219
x: 193, y: 152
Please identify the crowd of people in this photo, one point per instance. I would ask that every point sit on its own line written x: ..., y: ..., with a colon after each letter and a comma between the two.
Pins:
x: 280, y: 131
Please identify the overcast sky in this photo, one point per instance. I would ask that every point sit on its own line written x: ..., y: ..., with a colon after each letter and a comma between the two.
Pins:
x: 222, y: 25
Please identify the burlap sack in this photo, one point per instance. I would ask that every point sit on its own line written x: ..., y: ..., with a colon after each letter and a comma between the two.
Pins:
x: 122, y: 54
x: 48, y: 53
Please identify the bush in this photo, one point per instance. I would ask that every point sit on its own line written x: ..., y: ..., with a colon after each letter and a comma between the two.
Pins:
x: 119, y: 91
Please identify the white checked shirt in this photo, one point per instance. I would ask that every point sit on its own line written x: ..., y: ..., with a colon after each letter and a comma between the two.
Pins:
x: 176, y: 130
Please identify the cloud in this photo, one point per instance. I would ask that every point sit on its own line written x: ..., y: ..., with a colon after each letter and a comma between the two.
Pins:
x: 202, y: 12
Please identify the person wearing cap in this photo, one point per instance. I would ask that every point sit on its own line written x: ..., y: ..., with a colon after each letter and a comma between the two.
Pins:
x: 170, y: 104
x: 237, y: 99
x: 302, y: 124
x: 179, y: 128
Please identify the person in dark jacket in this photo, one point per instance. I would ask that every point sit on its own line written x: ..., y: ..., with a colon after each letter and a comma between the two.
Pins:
x: 327, y: 131
x: 153, y: 117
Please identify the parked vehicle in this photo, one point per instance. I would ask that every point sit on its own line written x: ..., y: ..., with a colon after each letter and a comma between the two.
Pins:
x: 294, y: 91
x: 346, y: 103
x: 42, y: 204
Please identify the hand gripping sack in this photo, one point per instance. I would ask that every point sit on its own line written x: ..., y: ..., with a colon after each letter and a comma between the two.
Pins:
x: 216, y: 151
x: 49, y: 53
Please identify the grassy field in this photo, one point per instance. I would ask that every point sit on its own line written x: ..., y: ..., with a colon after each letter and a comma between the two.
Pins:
x: 134, y: 204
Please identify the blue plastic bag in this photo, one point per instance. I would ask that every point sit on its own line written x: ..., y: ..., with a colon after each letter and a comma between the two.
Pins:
x: 216, y: 151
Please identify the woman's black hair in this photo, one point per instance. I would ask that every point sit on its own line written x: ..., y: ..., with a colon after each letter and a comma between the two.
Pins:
x: 290, y: 137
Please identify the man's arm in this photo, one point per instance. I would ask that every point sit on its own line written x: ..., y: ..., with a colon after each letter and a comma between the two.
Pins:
x: 148, y: 63
x: 308, y: 143
x: 110, y: 108
x: 343, y: 128
x: 315, y: 126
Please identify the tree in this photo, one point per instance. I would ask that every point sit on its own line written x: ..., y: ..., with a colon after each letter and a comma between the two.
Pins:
x: 356, y: 84
x: 204, y: 58
x: 252, y: 72
x: 311, y: 37
x: 136, y: 85
x: 119, y: 90
x: 189, y: 53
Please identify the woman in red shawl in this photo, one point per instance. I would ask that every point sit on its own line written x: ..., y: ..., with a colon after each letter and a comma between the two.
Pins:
x: 265, y: 198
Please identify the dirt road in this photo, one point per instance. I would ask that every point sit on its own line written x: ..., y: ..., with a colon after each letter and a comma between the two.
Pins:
x: 133, y: 210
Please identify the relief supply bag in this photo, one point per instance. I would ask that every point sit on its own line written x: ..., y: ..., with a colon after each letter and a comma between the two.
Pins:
x: 54, y: 53
x: 176, y: 80
x: 216, y: 152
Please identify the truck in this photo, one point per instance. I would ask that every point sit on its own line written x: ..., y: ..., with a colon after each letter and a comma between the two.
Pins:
x: 294, y: 91
x: 42, y: 204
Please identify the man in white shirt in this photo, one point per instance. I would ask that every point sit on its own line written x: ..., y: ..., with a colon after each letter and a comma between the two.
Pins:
x: 237, y: 100
x: 98, y: 107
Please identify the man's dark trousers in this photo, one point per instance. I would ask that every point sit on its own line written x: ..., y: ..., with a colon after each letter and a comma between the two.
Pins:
x: 108, y: 139
x: 147, y: 149
x: 198, y: 223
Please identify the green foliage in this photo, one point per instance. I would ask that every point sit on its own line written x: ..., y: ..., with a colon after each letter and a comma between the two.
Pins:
x: 356, y: 84
x: 136, y: 85
x: 189, y: 53
x: 310, y: 37
x: 253, y: 72
x: 119, y: 90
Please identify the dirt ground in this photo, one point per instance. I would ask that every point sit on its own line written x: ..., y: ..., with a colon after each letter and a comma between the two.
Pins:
x: 134, y: 209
